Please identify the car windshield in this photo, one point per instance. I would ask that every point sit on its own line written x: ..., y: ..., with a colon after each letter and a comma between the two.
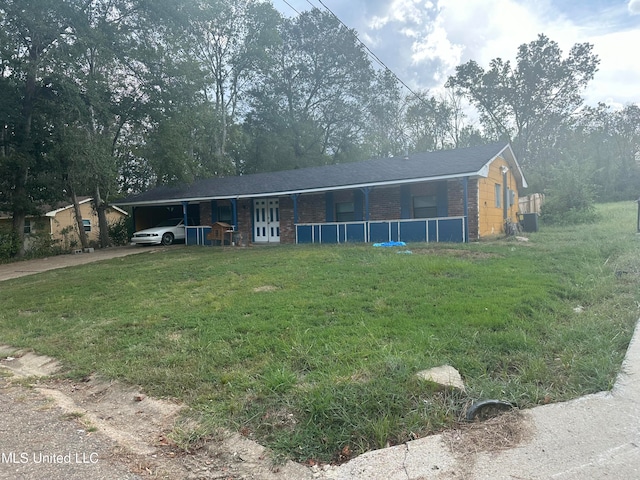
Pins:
x: 171, y: 222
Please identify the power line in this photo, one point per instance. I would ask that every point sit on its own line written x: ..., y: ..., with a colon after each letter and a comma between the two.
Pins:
x: 375, y: 57
x: 364, y: 45
x: 291, y: 6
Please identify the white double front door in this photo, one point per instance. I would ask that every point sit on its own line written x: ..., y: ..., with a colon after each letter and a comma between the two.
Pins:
x: 266, y: 220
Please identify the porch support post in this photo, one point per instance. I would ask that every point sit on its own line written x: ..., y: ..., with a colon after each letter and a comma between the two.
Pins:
x: 234, y: 213
x: 294, y: 197
x: 184, y: 212
x: 185, y: 222
x: 365, y: 191
x: 465, y: 190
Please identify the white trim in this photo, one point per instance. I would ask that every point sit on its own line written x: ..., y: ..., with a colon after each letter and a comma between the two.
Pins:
x: 118, y: 209
x: 513, y: 162
x: 53, y: 213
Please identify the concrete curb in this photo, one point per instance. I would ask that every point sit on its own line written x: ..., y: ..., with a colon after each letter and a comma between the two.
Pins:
x: 592, y: 437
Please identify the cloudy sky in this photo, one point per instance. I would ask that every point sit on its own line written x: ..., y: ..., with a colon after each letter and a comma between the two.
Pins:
x: 422, y: 41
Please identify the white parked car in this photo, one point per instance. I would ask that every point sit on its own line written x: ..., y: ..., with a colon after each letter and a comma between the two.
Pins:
x: 165, y: 233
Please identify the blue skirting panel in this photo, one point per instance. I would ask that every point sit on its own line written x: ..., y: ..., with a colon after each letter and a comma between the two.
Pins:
x: 445, y: 229
x: 450, y: 230
x: 380, y: 232
x: 304, y: 233
x: 356, y: 232
x: 198, y: 235
x: 413, y: 231
x: 329, y: 233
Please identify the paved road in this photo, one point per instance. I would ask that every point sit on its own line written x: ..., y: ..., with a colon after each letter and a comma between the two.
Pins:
x: 38, y: 440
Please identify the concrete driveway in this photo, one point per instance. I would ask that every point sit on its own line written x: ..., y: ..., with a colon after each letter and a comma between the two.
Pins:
x: 30, y: 267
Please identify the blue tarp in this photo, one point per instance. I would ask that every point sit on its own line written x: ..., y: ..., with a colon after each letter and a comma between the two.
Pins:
x: 390, y: 244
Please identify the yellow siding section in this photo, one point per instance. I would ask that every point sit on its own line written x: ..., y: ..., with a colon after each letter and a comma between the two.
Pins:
x: 491, y: 217
x: 65, y: 230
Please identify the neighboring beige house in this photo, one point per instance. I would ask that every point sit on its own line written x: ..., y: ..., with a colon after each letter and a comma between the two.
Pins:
x: 60, y: 223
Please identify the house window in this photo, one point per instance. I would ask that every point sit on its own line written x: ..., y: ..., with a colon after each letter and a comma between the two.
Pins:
x: 27, y: 226
x: 425, y: 207
x: 498, y: 195
x: 225, y: 214
x: 345, y: 212
x: 87, y: 225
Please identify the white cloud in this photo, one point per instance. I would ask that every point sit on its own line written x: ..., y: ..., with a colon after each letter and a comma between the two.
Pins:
x: 619, y: 73
x: 482, y: 30
x: 378, y: 23
x: 424, y: 40
x: 436, y: 45
x: 495, y: 28
x: 402, y: 12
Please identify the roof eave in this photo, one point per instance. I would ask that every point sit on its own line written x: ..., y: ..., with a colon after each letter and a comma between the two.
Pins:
x: 281, y: 193
x: 514, y: 163
x: 53, y: 213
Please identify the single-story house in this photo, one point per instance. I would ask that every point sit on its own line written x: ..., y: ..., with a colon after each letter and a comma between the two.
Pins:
x: 59, y: 222
x: 450, y: 195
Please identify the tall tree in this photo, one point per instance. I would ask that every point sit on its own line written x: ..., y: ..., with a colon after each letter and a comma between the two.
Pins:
x: 33, y: 32
x: 528, y: 103
x: 230, y: 40
x: 384, y: 129
x: 438, y: 122
x: 609, y: 141
x: 312, y: 99
x: 96, y: 69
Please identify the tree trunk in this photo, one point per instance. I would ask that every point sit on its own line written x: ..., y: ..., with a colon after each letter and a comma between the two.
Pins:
x: 18, y: 228
x: 76, y: 208
x: 20, y: 197
x: 103, y: 225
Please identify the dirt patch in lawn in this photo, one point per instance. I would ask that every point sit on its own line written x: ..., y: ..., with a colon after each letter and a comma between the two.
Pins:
x: 147, y: 436
x: 502, y: 432
x: 137, y: 429
x: 265, y: 288
x: 452, y: 252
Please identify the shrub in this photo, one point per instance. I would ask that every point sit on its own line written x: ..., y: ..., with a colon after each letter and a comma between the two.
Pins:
x: 8, y: 244
x: 570, y: 197
x: 41, y: 245
x: 119, y: 232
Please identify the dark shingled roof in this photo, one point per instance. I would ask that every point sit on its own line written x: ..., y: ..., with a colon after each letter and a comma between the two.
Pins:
x: 460, y: 162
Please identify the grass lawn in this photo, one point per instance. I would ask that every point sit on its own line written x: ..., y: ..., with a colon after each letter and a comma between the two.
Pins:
x: 311, y: 349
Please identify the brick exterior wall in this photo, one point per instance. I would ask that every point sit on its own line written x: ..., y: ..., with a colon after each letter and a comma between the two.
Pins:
x: 245, y: 214
x: 384, y: 204
x: 205, y: 213
x: 474, y: 210
x: 455, y: 194
x: 312, y: 208
x: 287, y: 230
x: 455, y: 198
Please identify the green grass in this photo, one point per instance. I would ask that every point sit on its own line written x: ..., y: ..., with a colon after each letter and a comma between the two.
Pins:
x: 311, y: 349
